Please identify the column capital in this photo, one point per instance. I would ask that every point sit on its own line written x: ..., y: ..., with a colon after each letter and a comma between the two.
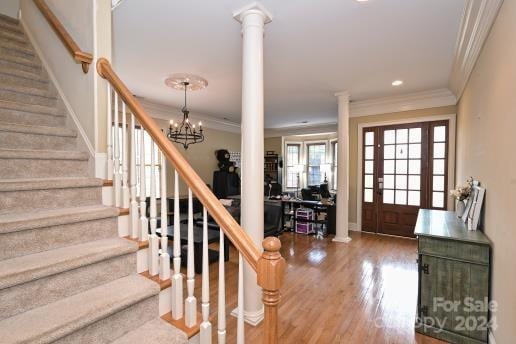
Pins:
x: 253, y: 8
x: 344, y: 94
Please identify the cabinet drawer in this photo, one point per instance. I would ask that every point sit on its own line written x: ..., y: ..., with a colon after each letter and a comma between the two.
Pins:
x: 454, y: 249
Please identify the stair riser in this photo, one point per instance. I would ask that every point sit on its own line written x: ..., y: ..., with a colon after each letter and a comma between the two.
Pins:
x: 36, y: 168
x: 14, y: 36
x: 10, y: 27
x: 17, y: 52
x: 10, y: 65
x: 27, y: 118
x: 9, y: 68
x: 12, y: 45
x: 40, y: 90
x: 13, y: 140
x: 114, y: 326
x: 16, y: 81
x: 20, y: 201
x: 43, y: 291
x: 36, y: 240
x: 6, y: 95
x: 22, y: 59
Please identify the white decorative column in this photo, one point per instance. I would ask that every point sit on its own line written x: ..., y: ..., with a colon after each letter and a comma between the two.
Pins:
x: 253, y: 19
x: 343, y: 169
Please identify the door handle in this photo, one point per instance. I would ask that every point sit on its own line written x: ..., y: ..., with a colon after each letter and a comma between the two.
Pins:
x: 380, y: 186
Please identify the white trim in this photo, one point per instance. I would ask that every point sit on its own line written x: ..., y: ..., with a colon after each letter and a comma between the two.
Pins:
x: 477, y: 19
x: 305, y: 157
x: 166, y: 112
x: 405, y: 102
x: 53, y: 78
x: 451, y: 118
x: 100, y: 165
x: 252, y: 318
x: 301, y: 130
x: 353, y: 226
x: 491, y: 339
x: 301, y: 178
x: 345, y: 240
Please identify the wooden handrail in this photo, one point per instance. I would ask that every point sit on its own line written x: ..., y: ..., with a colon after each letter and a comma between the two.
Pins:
x: 227, y: 223
x: 84, y: 58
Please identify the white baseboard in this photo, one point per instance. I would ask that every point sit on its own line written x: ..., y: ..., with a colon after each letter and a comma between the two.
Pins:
x: 344, y: 240
x: 165, y: 301
x: 252, y: 318
x: 491, y: 339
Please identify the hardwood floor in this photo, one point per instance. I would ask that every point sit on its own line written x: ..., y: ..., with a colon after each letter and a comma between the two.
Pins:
x: 361, y: 292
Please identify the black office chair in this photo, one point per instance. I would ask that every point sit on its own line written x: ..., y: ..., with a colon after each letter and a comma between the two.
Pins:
x: 324, y: 190
x: 307, y: 195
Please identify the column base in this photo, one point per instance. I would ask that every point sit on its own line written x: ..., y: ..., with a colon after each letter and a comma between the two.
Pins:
x: 252, y: 318
x: 342, y: 239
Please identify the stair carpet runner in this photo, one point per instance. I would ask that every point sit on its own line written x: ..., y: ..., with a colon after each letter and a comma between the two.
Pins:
x: 65, y: 275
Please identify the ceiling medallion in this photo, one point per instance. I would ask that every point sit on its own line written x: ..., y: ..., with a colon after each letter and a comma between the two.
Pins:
x: 184, y: 132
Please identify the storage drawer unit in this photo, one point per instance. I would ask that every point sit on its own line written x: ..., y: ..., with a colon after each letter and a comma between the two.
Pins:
x: 454, y: 275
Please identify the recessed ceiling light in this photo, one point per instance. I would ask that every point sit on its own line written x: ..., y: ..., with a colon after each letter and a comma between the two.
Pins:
x: 397, y: 83
x: 362, y: 0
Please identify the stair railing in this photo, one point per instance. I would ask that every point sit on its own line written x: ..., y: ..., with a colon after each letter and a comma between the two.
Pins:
x: 269, y: 265
x: 84, y: 58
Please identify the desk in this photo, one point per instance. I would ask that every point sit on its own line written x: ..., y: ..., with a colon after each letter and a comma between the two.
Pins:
x: 293, y: 204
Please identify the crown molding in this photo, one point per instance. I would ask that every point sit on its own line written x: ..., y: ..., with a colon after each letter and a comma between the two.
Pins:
x: 253, y: 7
x: 166, y: 112
x: 301, y: 130
x: 477, y: 19
x: 406, y: 102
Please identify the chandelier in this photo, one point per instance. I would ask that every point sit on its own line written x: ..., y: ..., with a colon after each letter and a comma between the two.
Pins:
x: 185, y: 132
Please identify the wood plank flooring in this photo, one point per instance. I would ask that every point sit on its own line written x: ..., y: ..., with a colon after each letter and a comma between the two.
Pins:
x: 361, y: 292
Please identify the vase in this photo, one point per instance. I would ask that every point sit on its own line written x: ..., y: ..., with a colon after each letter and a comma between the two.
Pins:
x: 460, y: 207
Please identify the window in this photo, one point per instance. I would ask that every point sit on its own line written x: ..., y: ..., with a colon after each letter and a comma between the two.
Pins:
x: 438, y: 160
x: 147, y: 144
x: 334, y: 165
x: 316, y: 156
x: 293, y: 154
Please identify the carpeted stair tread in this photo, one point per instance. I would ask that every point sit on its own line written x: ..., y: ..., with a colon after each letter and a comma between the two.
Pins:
x: 38, y: 89
x: 27, y: 268
x: 15, y: 222
x: 154, y: 331
x: 66, y: 316
x: 31, y: 108
x: 9, y: 26
x: 11, y: 69
x: 42, y: 154
x: 9, y: 20
x: 38, y: 130
x: 48, y: 183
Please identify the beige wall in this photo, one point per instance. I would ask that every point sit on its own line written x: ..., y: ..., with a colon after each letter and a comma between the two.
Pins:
x: 201, y: 156
x: 353, y: 143
x: 272, y: 144
x: 10, y: 7
x: 486, y: 141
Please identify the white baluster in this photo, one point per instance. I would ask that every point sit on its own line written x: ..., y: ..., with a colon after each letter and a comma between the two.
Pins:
x: 109, y: 174
x: 164, y: 273
x: 221, y: 331
x: 191, y: 301
x: 205, y: 301
x: 125, y: 151
x: 153, y: 238
x: 240, y: 304
x: 144, y: 224
x: 177, y: 279
x: 116, y: 148
x: 134, y: 202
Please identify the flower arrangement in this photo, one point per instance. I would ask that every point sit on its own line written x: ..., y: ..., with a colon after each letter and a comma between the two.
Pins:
x: 462, y: 192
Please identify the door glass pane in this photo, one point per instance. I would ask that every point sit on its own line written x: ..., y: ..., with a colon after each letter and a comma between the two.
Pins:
x: 388, y: 166
x: 438, y: 184
x: 440, y: 134
x: 414, y: 166
x: 401, y: 136
x: 414, y: 198
x: 438, y: 166
x: 388, y: 152
x: 415, y: 151
x: 414, y: 182
x: 368, y: 167
x: 439, y: 150
x: 388, y: 196
x: 401, y: 166
x: 401, y: 197
x: 388, y: 181
x: 437, y: 199
x: 401, y: 151
x: 415, y: 135
x: 368, y: 195
x: 369, y: 153
x: 368, y: 181
x: 401, y: 182
x: 369, y: 138
x: 389, y: 137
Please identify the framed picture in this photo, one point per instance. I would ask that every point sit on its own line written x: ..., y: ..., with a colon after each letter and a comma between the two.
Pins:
x: 477, y: 198
x: 467, y: 210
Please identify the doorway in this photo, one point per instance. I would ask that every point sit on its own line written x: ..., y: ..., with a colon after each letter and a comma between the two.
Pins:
x: 404, y: 168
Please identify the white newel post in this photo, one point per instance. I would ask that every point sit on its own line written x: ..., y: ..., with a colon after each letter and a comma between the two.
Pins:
x: 342, y: 234
x: 253, y: 19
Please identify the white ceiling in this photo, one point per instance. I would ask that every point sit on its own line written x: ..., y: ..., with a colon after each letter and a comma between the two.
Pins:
x: 312, y: 50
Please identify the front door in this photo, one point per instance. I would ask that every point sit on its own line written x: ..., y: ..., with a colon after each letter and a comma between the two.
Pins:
x: 404, y: 169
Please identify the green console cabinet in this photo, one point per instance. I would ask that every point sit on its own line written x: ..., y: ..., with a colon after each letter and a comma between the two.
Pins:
x: 454, y: 271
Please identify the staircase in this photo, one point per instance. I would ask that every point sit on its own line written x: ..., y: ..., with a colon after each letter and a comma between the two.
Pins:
x: 65, y: 275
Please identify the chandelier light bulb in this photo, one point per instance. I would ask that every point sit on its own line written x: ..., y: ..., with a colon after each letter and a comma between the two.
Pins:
x: 175, y: 125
